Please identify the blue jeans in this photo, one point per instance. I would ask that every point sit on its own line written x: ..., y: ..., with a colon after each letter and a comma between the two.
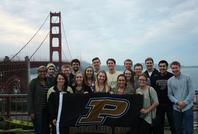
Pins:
x: 183, y: 121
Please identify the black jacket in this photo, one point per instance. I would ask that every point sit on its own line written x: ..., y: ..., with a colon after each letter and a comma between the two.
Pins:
x: 152, y: 78
x: 85, y: 89
x: 162, y: 89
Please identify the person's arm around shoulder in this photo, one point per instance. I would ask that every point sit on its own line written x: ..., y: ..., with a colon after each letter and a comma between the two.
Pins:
x: 69, y: 89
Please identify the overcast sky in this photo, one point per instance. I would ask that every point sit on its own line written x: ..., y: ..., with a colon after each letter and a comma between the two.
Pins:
x: 136, y: 29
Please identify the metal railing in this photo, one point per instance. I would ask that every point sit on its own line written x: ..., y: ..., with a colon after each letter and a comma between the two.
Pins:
x: 14, y: 105
x: 195, y: 110
x: 13, y: 113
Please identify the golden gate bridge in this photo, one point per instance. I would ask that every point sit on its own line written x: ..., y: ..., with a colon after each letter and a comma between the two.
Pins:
x: 16, y: 72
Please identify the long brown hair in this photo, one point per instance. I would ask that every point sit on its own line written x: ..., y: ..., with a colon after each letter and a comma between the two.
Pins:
x: 65, y: 84
x: 85, y: 76
x: 132, y: 75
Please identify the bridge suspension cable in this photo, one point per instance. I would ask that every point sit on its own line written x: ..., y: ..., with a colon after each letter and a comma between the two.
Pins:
x: 31, y: 38
x: 42, y: 42
x: 66, y: 41
x: 39, y: 45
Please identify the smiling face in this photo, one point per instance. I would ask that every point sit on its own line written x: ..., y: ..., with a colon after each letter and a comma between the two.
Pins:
x: 101, y: 77
x: 75, y: 66
x: 128, y: 75
x: 138, y: 70
x: 121, y: 81
x: 51, y: 71
x: 111, y: 65
x: 42, y: 73
x: 89, y: 72
x: 175, y: 69
x: 60, y: 81
x: 163, y: 68
x: 96, y: 64
x: 127, y: 65
x: 149, y: 65
x: 142, y: 81
x: 79, y: 78
x: 66, y: 71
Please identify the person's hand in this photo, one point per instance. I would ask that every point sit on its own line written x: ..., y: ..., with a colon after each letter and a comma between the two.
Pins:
x: 32, y: 116
x: 144, y: 111
x: 181, y: 104
x: 54, y: 122
x: 86, y: 92
x: 111, y: 92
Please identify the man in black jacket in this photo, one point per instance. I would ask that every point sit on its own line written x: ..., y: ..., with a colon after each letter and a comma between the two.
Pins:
x: 165, y: 105
x: 151, y: 72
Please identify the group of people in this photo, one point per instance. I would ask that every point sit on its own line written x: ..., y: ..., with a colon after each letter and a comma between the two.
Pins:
x: 164, y: 93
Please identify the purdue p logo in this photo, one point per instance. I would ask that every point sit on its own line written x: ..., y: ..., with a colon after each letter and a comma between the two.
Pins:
x: 102, y: 108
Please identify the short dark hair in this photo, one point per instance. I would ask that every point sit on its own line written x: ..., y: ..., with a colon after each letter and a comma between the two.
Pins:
x: 110, y: 59
x: 75, y: 60
x: 163, y: 61
x: 175, y: 63
x: 138, y: 64
x: 129, y: 60
x: 149, y: 58
x: 96, y: 58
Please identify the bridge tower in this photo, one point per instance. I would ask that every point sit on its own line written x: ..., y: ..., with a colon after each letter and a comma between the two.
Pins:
x: 55, y: 36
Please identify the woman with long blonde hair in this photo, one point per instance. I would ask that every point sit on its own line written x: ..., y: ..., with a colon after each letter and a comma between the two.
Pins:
x: 101, y: 84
